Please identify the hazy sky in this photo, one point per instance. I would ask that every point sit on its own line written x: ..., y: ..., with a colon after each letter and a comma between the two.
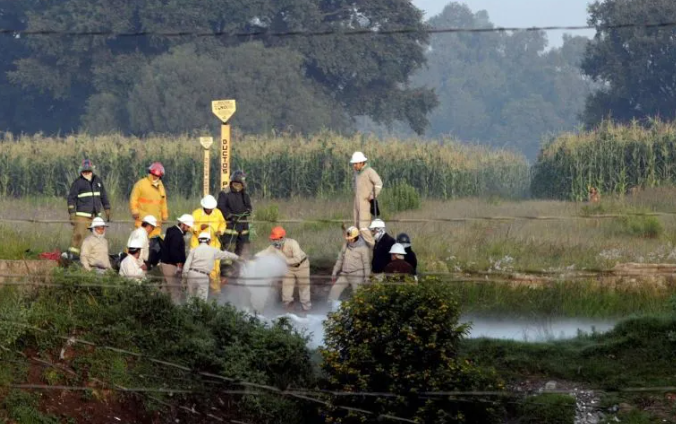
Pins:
x: 523, y: 13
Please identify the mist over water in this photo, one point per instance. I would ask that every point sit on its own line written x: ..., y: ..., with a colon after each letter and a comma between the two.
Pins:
x: 257, y: 292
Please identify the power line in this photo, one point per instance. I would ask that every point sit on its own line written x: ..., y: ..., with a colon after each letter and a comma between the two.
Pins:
x: 329, y: 32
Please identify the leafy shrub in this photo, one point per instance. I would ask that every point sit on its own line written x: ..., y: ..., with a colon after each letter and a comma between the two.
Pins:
x: 398, y: 197
x: 548, y: 409
x: 402, y: 339
x: 13, y: 313
x: 22, y: 407
x: 637, y: 226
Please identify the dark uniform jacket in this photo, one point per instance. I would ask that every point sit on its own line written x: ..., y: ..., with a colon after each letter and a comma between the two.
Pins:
x: 412, y: 259
x: 399, y: 266
x: 173, y: 251
x: 381, y: 254
x: 232, y: 205
x: 87, y: 198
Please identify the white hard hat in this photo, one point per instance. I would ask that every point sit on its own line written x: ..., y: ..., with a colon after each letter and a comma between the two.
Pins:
x: 204, y: 236
x: 98, y: 222
x: 149, y: 219
x: 358, y: 157
x: 135, y: 243
x: 187, y: 219
x: 377, y: 223
x: 397, y: 249
x: 209, y: 202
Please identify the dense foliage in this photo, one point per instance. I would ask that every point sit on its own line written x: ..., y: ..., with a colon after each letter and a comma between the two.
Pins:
x: 613, y: 158
x: 404, y: 340
x: 276, y: 167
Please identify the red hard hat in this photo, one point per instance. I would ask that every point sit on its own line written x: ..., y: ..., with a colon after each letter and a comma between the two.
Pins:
x: 277, y: 233
x: 156, y: 168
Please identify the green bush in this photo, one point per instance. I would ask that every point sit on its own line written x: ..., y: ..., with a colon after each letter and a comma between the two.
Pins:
x: 404, y: 340
x: 13, y: 313
x: 22, y: 407
x: 547, y: 409
x: 637, y: 226
x: 399, y: 197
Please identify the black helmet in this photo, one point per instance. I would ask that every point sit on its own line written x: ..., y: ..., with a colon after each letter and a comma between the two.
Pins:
x: 403, y: 238
x: 238, y: 177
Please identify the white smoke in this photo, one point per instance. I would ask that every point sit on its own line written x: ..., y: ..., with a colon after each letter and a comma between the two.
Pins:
x: 256, y: 286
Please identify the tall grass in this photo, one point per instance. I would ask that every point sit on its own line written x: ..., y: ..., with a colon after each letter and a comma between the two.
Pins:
x: 614, y: 158
x: 277, y: 166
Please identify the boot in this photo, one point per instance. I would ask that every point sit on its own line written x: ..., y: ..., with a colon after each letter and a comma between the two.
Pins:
x: 290, y: 308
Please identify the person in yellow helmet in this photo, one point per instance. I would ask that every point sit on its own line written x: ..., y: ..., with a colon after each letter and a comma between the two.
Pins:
x: 149, y: 198
x: 209, y: 219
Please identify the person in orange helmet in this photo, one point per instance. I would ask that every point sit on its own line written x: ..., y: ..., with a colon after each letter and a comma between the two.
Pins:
x: 149, y: 198
x: 299, y: 268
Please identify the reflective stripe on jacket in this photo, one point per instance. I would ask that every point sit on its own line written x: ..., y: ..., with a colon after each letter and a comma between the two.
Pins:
x: 87, y: 198
x: 147, y: 199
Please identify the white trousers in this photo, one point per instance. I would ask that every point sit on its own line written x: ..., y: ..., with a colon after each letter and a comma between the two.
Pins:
x: 198, y: 285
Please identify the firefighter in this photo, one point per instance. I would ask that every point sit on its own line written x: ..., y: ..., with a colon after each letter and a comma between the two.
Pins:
x: 94, y: 251
x: 209, y: 219
x: 236, y: 207
x: 298, y: 272
x: 367, y: 186
x: 149, y: 198
x: 411, y: 258
x: 87, y: 200
x: 353, y: 266
x: 200, y: 264
x: 381, y: 249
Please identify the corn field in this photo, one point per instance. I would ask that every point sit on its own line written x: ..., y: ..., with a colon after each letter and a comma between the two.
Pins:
x: 613, y: 158
x: 276, y: 167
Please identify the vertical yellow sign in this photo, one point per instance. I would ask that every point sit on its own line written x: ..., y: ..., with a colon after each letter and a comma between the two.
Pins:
x: 206, y: 143
x: 224, y: 109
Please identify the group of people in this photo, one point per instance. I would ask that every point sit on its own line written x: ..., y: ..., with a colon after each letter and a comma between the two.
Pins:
x: 190, y: 253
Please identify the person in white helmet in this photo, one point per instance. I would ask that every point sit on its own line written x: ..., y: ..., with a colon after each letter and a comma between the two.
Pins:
x: 381, y: 248
x: 200, y: 263
x: 210, y: 219
x: 398, y: 264
x: 94, y: 250
x: 141, y: 236
x: 367, y: 185
x: 130, y: 268
x: 173, y: 257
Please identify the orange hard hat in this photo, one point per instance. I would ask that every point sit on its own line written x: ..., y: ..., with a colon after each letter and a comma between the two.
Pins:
x: 277, y: 233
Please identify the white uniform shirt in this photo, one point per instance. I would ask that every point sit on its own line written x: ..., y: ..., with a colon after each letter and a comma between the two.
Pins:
x: 203, y: 257
x: 140, y: 234
x: 129, y: 268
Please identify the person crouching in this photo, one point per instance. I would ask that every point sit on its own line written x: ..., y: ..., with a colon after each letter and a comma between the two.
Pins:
x: 131, y: 267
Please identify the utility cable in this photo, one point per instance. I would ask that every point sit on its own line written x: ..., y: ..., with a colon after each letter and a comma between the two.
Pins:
x: 329, y: 32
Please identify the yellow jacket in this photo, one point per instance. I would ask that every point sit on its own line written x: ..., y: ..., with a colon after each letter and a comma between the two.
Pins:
x: 146, y: 199
x: 216, y: 226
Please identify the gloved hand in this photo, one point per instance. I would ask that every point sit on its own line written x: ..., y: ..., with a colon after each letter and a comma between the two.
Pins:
x: 72, y: 219
x: 136, y: 216
x: 108, y: 214
x: 204, y: 227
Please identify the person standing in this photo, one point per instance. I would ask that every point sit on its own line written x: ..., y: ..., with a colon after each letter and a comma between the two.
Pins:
x: 353, y: 266
x: 208, y: 218
x: 299, y: 268
x: 236, y: 207
x: 367, y: 186
x: 148, y: 197
x: 130, y: 266
x: 94, y: 251
x: 199, y: 265
x: 173, y: 257
x: 411, y: 258
x: 381, y: 249
x: 87, y: 199
x: 141, y: 237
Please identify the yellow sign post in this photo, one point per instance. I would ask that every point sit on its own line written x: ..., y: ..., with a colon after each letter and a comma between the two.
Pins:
x: 224, y: 109
x: 206, y: 143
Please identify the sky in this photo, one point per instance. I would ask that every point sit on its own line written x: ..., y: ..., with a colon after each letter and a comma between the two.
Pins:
x: 523, y: 13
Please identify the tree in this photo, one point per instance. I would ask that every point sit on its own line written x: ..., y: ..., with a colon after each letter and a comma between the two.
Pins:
x: 175, y: 89
x: 363, y: 75
x: 403, y: 340
x: 634, y: 65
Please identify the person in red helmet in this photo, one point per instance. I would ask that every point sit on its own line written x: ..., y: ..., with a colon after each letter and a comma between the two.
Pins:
x: 149, y: 198
x: 87, y: 199
x: 299, y: 268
